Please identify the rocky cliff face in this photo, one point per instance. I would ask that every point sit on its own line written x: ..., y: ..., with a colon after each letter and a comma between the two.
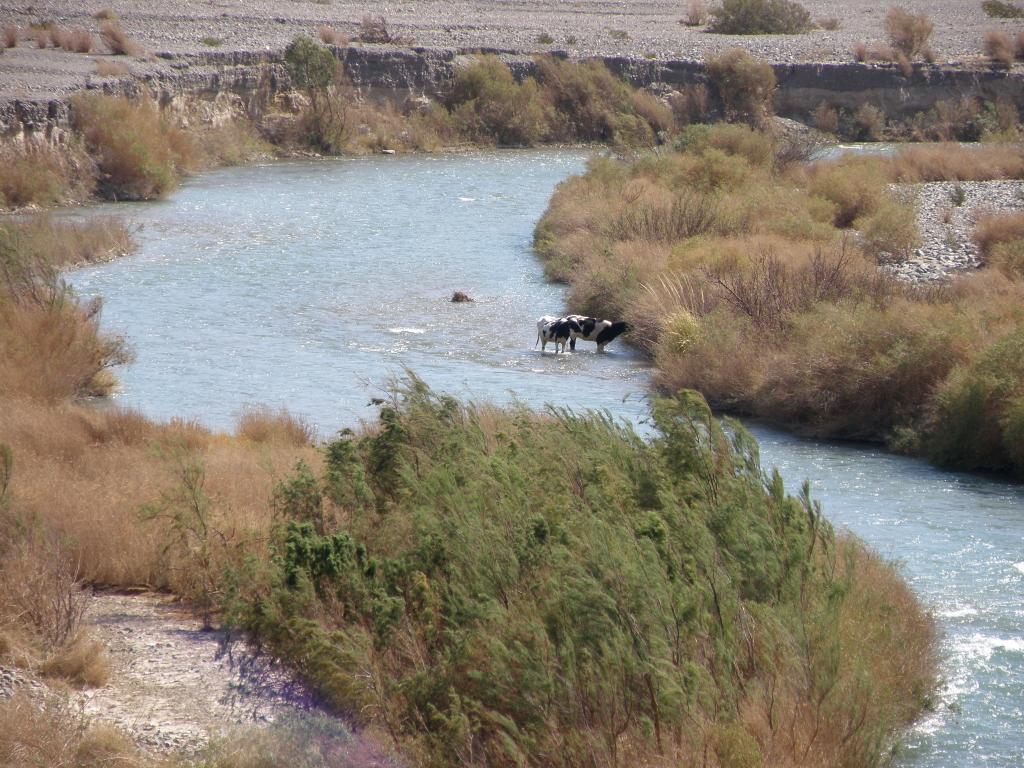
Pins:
x: 396, y: 73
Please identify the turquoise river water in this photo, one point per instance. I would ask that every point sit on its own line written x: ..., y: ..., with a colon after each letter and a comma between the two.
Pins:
x: 308, y: 284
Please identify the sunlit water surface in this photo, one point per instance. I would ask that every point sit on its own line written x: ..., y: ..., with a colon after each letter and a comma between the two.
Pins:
x: 309, y: 284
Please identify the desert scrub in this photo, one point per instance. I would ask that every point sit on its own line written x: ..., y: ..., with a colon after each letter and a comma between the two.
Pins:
x: 756, y: 283
x: 760, y: 17
x: 506, y: 587
x: 139, y: 155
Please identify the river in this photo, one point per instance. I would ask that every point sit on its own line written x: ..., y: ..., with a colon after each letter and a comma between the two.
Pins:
x: 308, y: 284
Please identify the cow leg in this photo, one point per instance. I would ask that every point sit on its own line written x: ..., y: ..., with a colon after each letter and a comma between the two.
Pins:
x: 572, y: 344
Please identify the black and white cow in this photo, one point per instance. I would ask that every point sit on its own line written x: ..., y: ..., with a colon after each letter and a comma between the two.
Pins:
x: 604, y: 332
x: 559, y: 330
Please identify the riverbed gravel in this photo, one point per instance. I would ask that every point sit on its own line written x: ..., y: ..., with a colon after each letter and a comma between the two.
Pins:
x: 171, y: 685
x: 946, y: 225
x: 642, y: 29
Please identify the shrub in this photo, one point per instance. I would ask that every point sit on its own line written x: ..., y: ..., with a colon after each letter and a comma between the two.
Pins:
x: 691, y: 104
x: 105, y: 14
x: 10, y: 39
x: 889, y: 233
x: 760, y: 17
x: 949, y: 163
x: 696, y: 13
x: 33, y: 176
x: 830, y: 23
x: 374, y: 29
x: 212, y: 42
x: 545, y: 39
x: 825, y: 118
x: 117, y: 40
x: 979, y: 410
x: 870, y: 122
x: 311, y: 67
x: 1000, y: 49
x: 908, y: 33
x: 41, y: 590
x: 744, y: 84
x: 75, y: 40
x: 51, y: 348
x: 487, y: 103
x: 854, y: 188
x: 560, y: 592
x: 998, y: 9
x: 40, y: 36
x: 138, y: 154
x: 618, y: 34
x: 591, y: 104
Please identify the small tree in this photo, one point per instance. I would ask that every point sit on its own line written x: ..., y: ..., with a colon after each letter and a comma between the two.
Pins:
x: 312, y: 67
x: 315, y: 71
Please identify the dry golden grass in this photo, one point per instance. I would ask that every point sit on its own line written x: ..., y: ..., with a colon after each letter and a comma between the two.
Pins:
x: 40, y: 36
x: 332, y: 36
x: 55, y: 733
x: 73, y: 40
x: 10, y: 36
x: 993, y: 230
x: 106, y: 68
x: 86, y: 474
x: 36, y: 175
x: 82, y: 663
x: 955, y: 163
x: 274, y: 427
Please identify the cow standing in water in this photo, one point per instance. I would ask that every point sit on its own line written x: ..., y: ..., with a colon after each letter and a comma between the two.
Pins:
x: 559, y: 330
x: 591, y: 329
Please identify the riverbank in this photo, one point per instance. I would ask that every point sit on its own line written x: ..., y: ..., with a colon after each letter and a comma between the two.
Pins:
x: 757, y: 283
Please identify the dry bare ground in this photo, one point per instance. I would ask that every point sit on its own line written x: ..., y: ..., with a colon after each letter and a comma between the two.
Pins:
x: 172, y: 685
x: 590, y: 27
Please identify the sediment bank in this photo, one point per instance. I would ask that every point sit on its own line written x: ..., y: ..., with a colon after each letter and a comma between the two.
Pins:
x: 396, y: 73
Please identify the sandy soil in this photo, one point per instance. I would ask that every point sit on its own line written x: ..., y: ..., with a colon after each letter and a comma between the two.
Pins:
x: 641, y: 28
